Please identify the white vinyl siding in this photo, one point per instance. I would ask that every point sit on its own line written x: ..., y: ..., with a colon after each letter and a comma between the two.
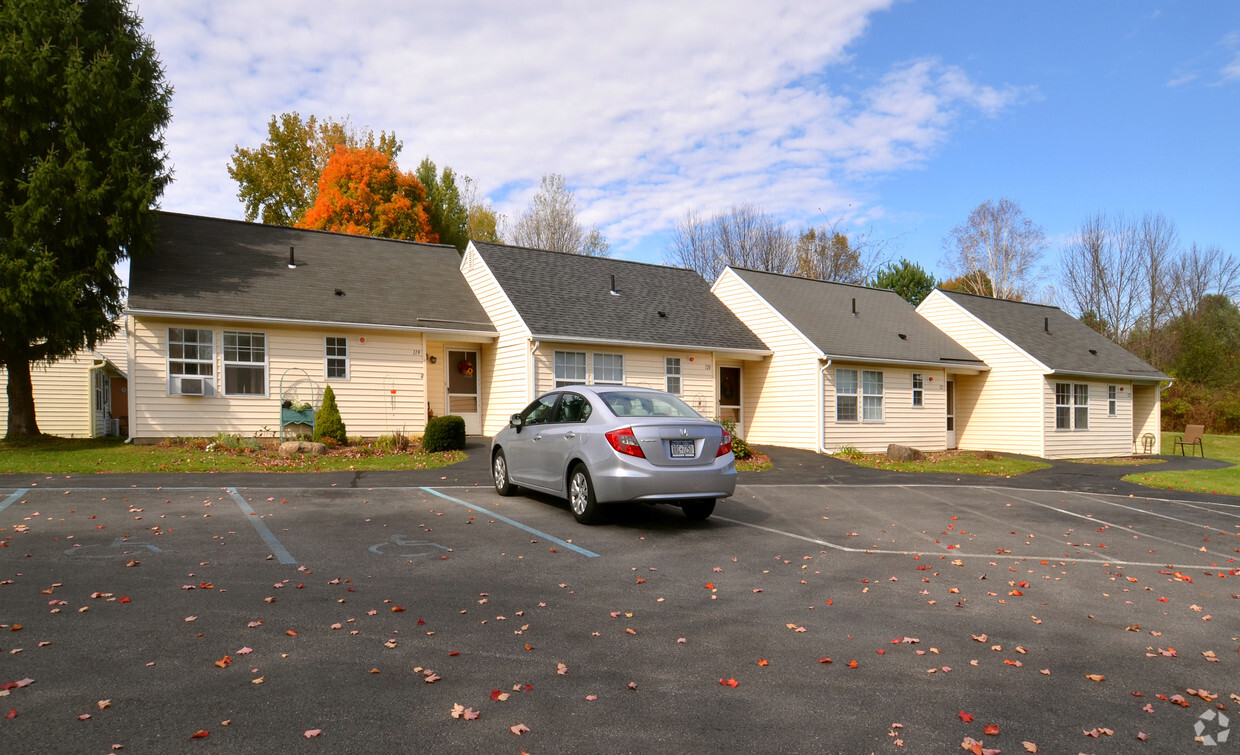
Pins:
x: 507, y: 383
x: 643, y: 368
x: 923, y: 427
x: 999, y: 410
x: 1106, y: 435
x: 63, y: 396
x: 386, y: 391
x: 781, y: 391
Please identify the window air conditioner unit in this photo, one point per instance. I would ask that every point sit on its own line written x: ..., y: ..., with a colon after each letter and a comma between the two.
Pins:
x: 192, y: 386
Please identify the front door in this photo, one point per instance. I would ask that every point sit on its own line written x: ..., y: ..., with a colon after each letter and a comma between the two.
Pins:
x: 463, y: 398
x: 951, y: 414
x: 730, y: 396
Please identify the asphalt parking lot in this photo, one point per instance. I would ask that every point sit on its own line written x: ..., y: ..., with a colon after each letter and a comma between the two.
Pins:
x: 800, y: 618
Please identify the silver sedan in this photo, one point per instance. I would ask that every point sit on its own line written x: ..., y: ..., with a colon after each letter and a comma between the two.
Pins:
x: 597, y: 445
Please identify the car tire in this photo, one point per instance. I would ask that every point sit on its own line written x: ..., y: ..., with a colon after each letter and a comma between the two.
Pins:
x: 581, y: 499
x: 698, y: 510
x: 499, y: 470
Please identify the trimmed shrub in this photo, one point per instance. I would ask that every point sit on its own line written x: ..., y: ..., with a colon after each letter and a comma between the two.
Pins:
x: 740, y: 449
x: 446, y: 433
x: 327, y: 421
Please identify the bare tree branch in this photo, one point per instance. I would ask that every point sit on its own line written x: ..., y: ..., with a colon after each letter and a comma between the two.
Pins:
x: 999, y: 245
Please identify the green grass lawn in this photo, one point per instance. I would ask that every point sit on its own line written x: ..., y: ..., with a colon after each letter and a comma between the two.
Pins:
x: 950, y: 462
x: 1225, y: 481
x: 51, y: 455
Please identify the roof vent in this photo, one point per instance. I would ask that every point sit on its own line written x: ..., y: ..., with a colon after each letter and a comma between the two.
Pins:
x: 903, y: 337
x: 613, y: 291
x: 1094, y: 352
x: 662, y: 313
x: 1046, y: 324
x: 854, y: 306
x: 292, y: 263
x: 340, y: 292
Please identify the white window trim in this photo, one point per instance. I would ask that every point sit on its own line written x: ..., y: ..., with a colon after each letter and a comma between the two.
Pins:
x: 919, y: 392
x: 225, y: 364
x: 1078, y: 405
x: 855, y: 395
x: 208, y: 379
x: 594, y: 368
x: 882, y: 403
x: 327, y: 359
x: 559, y: 382
x: 678, y: 375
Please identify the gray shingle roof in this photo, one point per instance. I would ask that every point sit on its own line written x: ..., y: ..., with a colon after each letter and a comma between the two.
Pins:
x: 1069, y: 347
x: 569, y: 296
x: 223, y: 268
x: 884, y: 328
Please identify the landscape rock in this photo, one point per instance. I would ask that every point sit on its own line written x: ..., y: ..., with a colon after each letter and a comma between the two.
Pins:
x: 293, y: 448
x: 896, y: 452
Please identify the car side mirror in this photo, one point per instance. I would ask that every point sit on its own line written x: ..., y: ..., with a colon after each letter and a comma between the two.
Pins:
x: 516, y: 421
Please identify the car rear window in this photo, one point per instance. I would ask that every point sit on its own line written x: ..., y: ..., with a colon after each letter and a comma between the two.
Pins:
x: 634, y: 404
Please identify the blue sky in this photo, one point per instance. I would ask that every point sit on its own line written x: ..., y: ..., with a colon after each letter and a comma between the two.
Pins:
x: 894, y: 117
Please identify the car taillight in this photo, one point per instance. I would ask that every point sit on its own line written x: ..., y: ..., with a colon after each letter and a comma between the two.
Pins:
x: 725, y: 444
x: 625, y: 442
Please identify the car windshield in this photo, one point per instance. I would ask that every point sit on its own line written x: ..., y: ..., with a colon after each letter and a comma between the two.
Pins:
x: 635, y: 404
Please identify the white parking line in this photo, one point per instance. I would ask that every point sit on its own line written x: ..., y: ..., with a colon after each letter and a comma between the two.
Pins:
x: 13, y: 498
x: 513, y: 522
x: 277, y: 549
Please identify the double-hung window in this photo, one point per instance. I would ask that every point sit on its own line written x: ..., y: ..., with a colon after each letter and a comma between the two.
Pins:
x: 570, y: 368
x: 918, y: 392
x: 1112, y: 400
x: 609, y: 369
x: 191, y: 362
x: 1080, y: 406
x: 846, y: 395
x: 871, y: 396
x: 1071, y: 406
x: 336, y: 356
x: 671, y: 366
x: 245, y: 363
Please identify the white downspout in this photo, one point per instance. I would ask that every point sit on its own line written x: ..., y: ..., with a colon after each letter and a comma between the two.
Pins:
x: 129, y: 379
x: 822, y: 409
x: 531, y: 382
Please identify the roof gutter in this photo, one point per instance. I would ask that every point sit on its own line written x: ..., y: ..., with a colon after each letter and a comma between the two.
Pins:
x: 755, y: 354
x: 1109, y: 376
x: 822, y: 408
x: 450, y: 332
x: 978, y: 365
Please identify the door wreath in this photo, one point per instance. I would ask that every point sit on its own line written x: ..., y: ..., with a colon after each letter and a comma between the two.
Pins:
x: 465, y: 367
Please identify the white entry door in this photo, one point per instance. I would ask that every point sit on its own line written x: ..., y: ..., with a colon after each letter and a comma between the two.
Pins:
x: 464, y: 398
x: 951, y: 414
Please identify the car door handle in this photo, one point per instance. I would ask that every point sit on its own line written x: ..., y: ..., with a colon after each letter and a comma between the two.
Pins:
x: 538, y: 436
x: 570, y: 435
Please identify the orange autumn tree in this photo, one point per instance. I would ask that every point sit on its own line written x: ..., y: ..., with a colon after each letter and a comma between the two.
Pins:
x: 361, y: 191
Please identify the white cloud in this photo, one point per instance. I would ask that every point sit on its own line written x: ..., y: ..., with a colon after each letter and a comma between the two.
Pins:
x: 647, y: 108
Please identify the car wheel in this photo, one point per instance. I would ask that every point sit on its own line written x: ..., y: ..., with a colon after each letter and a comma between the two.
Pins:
x: 499, y: 466
x: 699, y: 509
x: 581, y: 499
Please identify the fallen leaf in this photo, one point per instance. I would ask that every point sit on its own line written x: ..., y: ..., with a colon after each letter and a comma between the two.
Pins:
x: 991, y: 730
x: 729, y: 683
x: 200, y: 734
x: 1095, y: 677
x: 1029, y: 746
x: 104, y: 704
x: 312, y: 733
x: 966, y: 717
x: 519, y: 729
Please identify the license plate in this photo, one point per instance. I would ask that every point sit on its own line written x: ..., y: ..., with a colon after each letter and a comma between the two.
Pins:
x: 682, y: 449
